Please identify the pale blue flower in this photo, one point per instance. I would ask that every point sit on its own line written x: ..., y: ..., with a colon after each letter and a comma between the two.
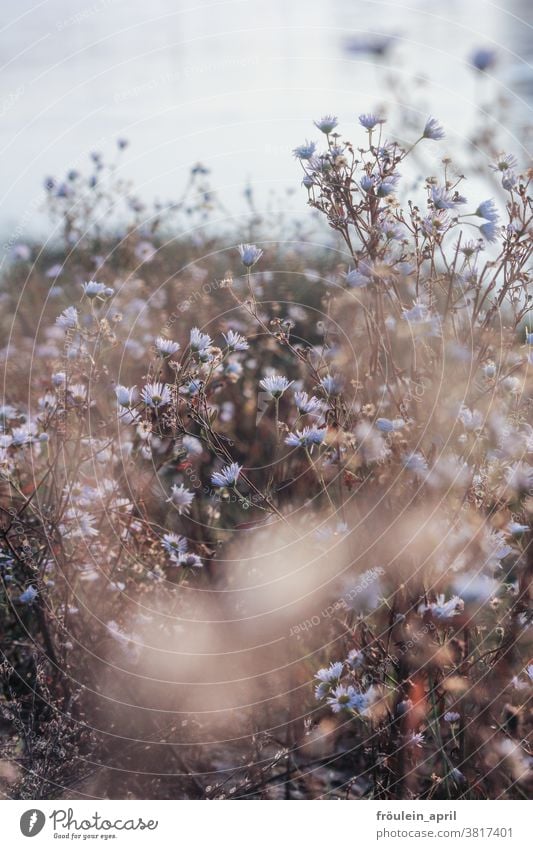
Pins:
x: 331, y: 384
x: 125, y: 395
x: 433, y: 130
x: 275, y: 385
x: 156, y: 395
x: 504, y: 162
x: 509, y: 181
x: 181, y: 498
x: 345, y: 698
x: 200, y: 342
x: 174, y: 544
x: 92, y: 289
x: 489, y: 231
x: 306, y: 438
x: 305, y: 151
x: 487, y: 209
x: 369, y: 121
x: 389, y: 425
x: 235, y: 341
x: 442, y: 199
x: 367, y: 183
x: 415, y: 462
x: 188, y: 561
x: 166, y: 347
x: 327, y: 124
x: 29, y: 595
x: 68, y: 319
x: 306, y: 404
x: 227, y: 476
x: 250, y: 254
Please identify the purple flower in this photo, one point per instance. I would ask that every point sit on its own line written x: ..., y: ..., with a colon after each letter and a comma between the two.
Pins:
x: 487, y: 210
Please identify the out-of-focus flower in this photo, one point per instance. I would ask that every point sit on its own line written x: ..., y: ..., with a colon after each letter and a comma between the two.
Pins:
x: 182, y: 498
x: 305, y: 404
x: 29, y: 595
x: 483, y: 58
x: 68, y: 319
x: 433, y: 130
x: 250, y: 254
x: 390, y: 425
x: 487, y: 209
x: 92, y: 289
x: 305, y: 151
x: 369, y: 121
x: 326, y: 124
x: 125, y: 395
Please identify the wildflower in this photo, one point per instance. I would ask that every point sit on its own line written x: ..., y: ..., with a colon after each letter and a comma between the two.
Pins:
x: 156, y: 395
x: 305, y: 151
x: 331, y: 384
x: 166, y: 347
x: 68, y: 319
x: 344, y: 698
x: 78, y: 393
x: 192, y: 445
x: 504, y: 162
x: 250, y: 254
x: 433, y: 130
x: 59, y: 378
x: 327, y: 677
x: 200, y: 342
x: 367, y: 182
x: 306, y: 404
x: 275, y: 385
x: 235, y: 341
x: 483, y: 58
x: 415, y: 462
x: 442, y: 609
x: 306, y: 438
x: 308, y: 181
x: 418, y: 312
x: 182, y: 498
x: 174, y: 544
x: 326, y: 124
x: 29, y: 595
x: 451, y: 716
x: 487, y: 210
x: 355, y: 659
x: 416, y: 740
x: 125, y: 395
x: 92, y: 289
x: 389, y: 425
x: 471, y: 419
x: 509, y: 181
x: 489, y: 231
x: 227, y: 476
x: 369, y: 121
x: 442, y: 199
x: 357, y: 279
x: 516, y: 528
x: 188, y: 561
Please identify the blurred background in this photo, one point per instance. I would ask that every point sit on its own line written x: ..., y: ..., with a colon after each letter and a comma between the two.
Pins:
x: 233, y: 84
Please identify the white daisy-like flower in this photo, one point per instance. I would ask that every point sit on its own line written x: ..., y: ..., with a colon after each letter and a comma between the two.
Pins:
x: 181, y: 498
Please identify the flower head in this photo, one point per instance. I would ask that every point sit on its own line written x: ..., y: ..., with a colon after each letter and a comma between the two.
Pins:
x: 68, y: 319
x: 306, y: 438
x: 250, y: 254
x: 156, y: 395
x: 29, y: 595
x: 305, y: 150
x: 345, y: 698
x: 92, y: 289
x: 433, y: 130
x: 174, y: 544
x: 275, y: 385
x: 326, y: 124
x: 487, y: 210
x: 200, y: 342
x: 227, y: 476
x: 166, y: 347
x: 483, y: 58
x: 235, y: 341
x: 369, y: 121
x: 181, y: 498
x: 306, y: 404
